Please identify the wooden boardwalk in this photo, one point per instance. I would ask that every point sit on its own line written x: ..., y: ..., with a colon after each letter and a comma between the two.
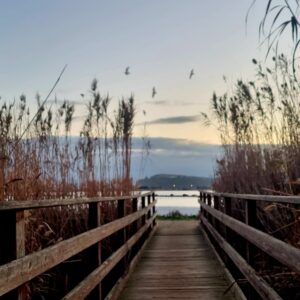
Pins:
x: 177, y: 263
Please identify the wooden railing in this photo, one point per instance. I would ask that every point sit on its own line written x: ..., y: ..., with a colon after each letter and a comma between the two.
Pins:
x: 240, y: 238
x: 17, y: 268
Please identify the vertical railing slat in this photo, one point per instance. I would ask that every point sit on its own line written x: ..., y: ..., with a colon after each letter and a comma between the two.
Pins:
x: 250, y: 219
x: 12, y: 232
x: 122, y: 236
x: 153, y: 209
x: 134, y: 209
x: 143, y: 206
x: 96, y: 252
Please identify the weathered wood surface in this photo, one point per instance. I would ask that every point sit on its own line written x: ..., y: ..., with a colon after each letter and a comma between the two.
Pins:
x: 32, y: 204
x: 254, y: 197
x: 24, y: 269
x: 283, y: 252
x: 262, y: 288
x: 82, y: 290
x: 177, y: 264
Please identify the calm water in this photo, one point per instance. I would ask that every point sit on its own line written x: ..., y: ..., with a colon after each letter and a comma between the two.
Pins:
x: 186, y: 205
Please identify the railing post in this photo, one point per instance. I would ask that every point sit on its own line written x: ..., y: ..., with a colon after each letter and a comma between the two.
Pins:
x: 204, y: 200
x: 228, y: 212
x: 148, y: 203
x: 227, y: 231
x: 121, y: 214
x: 143, y: 206
x: 96, y: 252
x: 134, y: 209
x: 12, y: 233
x: 216, y: 202
x: 122, y: 235
x: 209, y: 217
x: 20, y: 247
x: 209, y: 199
x: 217, y: 207
x: 250, y: 219
x: 201, y: 199
x: 153, y: 209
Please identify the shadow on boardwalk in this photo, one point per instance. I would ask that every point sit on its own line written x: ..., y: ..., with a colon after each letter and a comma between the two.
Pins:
x: 177, y: 263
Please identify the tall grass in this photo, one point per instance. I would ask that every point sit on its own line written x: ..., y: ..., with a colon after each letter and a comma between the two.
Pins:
x: 39, y: 159
x: 48, y: 163
x: 259, y: 126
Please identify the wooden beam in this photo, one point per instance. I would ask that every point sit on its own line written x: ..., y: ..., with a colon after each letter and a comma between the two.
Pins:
x: 143, y: 205
x: 153, y: 208
x: 259, y: 284
x: 268, y: 198
x: 217, y: 207
x: 95, y: 250
x: 119, y: 286
x: 122, y: 234
x: 134, y: 204
x: 148, y: 202
x: 32, y: 204
x: 82, y: 290
x: 251, y: 220
x: 12, y: 232
x: 283, y: 252
x: 20, y: 247
x: 20, y: 271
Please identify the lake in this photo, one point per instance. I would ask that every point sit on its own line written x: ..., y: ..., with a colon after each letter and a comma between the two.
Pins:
x: 187, y: 205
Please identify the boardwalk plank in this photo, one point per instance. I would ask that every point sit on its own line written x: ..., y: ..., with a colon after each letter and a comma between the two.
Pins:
x: 177, y: 264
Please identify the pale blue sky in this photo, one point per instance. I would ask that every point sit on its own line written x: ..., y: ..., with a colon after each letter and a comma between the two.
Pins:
x: 161, y: 41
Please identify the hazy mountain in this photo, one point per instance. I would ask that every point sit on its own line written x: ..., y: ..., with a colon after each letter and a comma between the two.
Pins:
x: 168, y: 156
x: 174, y: 156
x: 168, y: 182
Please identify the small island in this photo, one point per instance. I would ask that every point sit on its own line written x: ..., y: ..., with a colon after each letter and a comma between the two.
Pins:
x: 174, y: 182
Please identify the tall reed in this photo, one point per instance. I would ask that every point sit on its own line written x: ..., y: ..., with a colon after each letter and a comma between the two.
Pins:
x: 39, y: 159
x: 47, y: 162
x: 259, y: 126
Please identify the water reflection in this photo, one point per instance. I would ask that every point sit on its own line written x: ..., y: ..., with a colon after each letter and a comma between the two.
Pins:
x: 186, y: 202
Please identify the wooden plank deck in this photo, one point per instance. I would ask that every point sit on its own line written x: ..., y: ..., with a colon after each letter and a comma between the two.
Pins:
x: 177, y: 263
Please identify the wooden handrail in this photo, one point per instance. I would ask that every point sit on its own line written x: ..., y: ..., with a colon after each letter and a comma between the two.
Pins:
x: 89, y: 283
x: 265, y: 291
x: 283, y: 252
x: 33, y: 204
x: 255, y: 197
x: 212, y: 219
x: 17, y: 272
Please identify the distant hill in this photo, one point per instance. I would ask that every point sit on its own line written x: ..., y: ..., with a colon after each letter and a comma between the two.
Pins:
x: 178, y: 182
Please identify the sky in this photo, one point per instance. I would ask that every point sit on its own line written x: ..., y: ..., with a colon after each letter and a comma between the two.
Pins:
x: 160, y: 40
x: 175, y: 156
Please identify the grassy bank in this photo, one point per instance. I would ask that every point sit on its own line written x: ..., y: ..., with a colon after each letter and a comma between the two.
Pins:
x: 177, y: 216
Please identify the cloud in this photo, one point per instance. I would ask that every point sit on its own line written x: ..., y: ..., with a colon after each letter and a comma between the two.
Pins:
x: 159, y: 102
x: 170, y: 156
x: 165, y: 146
x: 174, y: 120
x: 175, y: 156
x: 60, y: 102
x: 79, y: 117
x: 171, y: 102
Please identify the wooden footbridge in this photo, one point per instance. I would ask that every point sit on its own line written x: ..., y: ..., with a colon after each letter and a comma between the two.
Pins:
x: 134, y: 256
x: 178, y: 263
